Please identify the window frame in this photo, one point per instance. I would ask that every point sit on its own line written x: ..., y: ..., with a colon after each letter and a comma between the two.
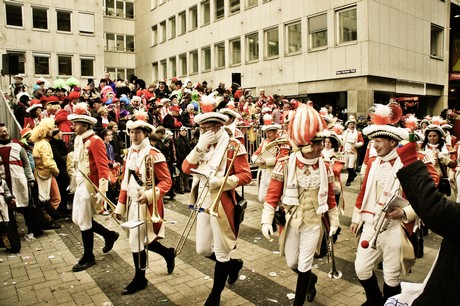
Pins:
x: 182, y: 19
x: 155, y: 40
x: 231, y: 56
x: 40, y: 8
x: 317, y: 33
x: 204, y: 51
x: 248, y: 52
x: 219, y: 56
x: 172, y: 27
x: 57, y: 20
x: 16, y: 5
x: 193, y: 14
x: 42, y: 56
x: 267, y: 32
x: 87, y: 58
x: 439, y: 41
x: 236, y: 7
x: 183, y: 63
x: 163, y: 31
x: 287, y: 38
x: 216, y: 11
x: 248, y: 4
x: 193, y: 62
x: 66, y: 56
x: 339, y: 34
x: 206, y: 12
x: 80, y: 24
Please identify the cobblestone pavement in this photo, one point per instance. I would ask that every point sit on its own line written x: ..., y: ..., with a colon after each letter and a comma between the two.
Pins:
x: 42, y: 273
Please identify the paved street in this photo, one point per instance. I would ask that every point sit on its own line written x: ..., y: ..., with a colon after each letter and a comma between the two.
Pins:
x: 41, y: 274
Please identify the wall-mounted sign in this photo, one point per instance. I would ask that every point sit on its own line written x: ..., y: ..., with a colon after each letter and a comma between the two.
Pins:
x: 454, y: 76
x: 347, y: 71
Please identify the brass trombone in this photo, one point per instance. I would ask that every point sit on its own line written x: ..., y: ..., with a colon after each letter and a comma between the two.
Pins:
x: 197, y: 207
x: 334, y: 273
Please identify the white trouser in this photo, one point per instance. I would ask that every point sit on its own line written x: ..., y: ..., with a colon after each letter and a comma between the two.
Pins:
x: 350, y: 160
x: 389, y: 246
x: 265, y: 175
x: 209, y: 236
x: 137, y: 234
x: 82, y: 210
x: 300, y: 246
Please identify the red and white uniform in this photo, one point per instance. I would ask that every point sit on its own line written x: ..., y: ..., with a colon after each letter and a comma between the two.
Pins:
x: 310, y: 180
x: 15, y: 170
x: 352, y: 140
x: 271, y: 156
x: 130, y: 191
x: 90, y: 157
x: 214, y: 234
x: 380, y: 182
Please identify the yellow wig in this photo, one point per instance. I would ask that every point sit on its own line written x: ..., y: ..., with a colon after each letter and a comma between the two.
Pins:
x: 42, y: 129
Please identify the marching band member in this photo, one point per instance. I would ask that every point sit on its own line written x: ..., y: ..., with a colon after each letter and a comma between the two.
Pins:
x: 301, y: 184
x: 233, y: 118
x: 216, y: 236
x: 265, y: 157
x: 134, y: 196
x: 352, y: 140
x: 89, y: 158
x: 379, y: 185
x: 330, y: 154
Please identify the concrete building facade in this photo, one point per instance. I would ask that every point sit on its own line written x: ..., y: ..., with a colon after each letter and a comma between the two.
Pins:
x: 53, y: 39
x: 342, y: 52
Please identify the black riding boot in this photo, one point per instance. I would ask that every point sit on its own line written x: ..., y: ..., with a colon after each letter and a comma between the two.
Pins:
x: 139, y: 281
x: 87, y: 259
x: 373, y: 293
x: 167, y: 253
x: 109, y: 236
x: 389, y: 291
x: 311, y: 291
x: 235, y: 267
x: 303, y: 279
x: 220, y: 277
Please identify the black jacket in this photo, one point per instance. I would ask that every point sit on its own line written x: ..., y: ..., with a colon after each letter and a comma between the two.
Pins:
x: 442, y: 217
x: 60, y: 156
x: 182, y: 148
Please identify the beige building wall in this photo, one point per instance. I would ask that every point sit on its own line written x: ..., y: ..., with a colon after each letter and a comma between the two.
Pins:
x: 391, y: 53
x: 51, y: 42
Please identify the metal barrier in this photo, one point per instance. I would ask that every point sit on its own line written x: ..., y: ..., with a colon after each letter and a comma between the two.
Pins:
x: 7, y: 117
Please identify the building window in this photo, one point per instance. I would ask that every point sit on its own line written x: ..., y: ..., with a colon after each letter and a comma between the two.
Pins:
x: 163, y: 31
x: 129, y: 10
x: 129, y: 43
x: 194, y: 62
x: 182, y: 23
x: 293, y: 38
x: 42, y: 64
x: 347, y: 26
x: 120, y: 73
x: 164, y: 69
x: 234, y: 6
x: 251, y: 3
x: 13, y: 15
x: 110, y: 42
x: 317, y: 29
x: 21, y: 61
x: 437, y: 41
x: 183, y: 64
x: 155, y: 73
x: 172, y: 27
x: 63, y: 21
x: 40, y: 18
x: 272, y: 44
x: 86, y: 23
x: 235, y: 51
x: 123, y: 9
x: 193, y: 18
x: 154, y: 35
x: 153, y: 5
x: 162, y: 2
x: 65, y: 65
x: 220, y: 9
x: 252, y: 47
x: 173, y: 65
x: 206, y: 10
x: 109, y: 7
x: 219, y: 50
x: 206, y: 58
x: 87, y: 67
x: 130, y: 73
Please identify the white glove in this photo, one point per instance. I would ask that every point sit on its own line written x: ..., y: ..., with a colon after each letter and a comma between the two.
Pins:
x: 333, y: 230
x: 214, y: 182
x: 204, y: 141
x: 99, y: 198
x: 267, y: 230
x: 73, y: 184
